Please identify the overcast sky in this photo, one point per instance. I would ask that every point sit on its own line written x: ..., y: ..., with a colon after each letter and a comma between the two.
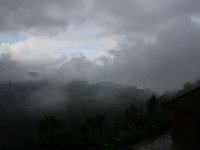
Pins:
x: 149, y: 43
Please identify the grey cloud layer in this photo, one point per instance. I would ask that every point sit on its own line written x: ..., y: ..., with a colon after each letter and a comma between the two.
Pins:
x: 166, y: 63
x: 117, y: 15
x: 38, y: 15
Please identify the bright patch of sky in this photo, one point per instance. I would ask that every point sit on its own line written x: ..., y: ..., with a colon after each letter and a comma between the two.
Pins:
x: 12, y: 38
x: 88, y: 49
x: 74, y: 42
x: 84, y: 46
x: 84, y: 41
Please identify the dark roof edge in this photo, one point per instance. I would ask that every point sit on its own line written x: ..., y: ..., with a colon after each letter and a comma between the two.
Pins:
x: 179, y: 97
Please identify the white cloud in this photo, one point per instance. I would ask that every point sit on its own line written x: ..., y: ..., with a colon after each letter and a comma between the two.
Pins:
x: 85, y: 41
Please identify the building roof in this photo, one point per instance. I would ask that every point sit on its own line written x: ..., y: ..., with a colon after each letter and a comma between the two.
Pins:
x: 189, y: 101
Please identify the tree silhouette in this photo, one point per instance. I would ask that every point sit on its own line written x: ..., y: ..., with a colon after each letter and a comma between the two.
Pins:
x: 152, y: 105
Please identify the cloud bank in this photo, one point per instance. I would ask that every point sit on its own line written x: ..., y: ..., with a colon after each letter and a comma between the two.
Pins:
x: 150, y: 43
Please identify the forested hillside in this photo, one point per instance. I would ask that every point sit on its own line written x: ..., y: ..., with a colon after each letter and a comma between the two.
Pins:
x: 40, y: 115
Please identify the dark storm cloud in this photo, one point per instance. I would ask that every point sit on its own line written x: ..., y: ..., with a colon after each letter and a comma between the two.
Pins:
x: 144, y: 16
x: 38, y: 15
x: 158, y: 43
x: 169, y: 62
x: 119, y: 16
x: 11, y: 70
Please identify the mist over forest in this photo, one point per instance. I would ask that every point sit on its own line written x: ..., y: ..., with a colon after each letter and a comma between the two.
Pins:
x: 24, y: 105
x: 94, y: 74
